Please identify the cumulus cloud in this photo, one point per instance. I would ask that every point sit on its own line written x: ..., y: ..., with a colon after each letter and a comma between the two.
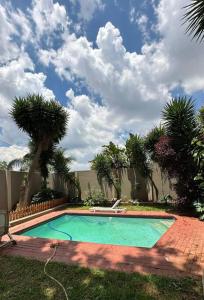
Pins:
x: 88, y: 128
x: 131, y: 84
x: 124, y: 80
x: 185, y: 58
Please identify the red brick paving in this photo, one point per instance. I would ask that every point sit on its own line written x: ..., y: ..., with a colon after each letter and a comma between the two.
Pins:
x: 179, y: 252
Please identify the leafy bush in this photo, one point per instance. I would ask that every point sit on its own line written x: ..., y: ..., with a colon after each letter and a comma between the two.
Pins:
x: 96, y: 198
x: 199, y: 207
x: 166, y: 199
x: 45, y: 195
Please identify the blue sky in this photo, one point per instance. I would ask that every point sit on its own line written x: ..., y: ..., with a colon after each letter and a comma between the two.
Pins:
x: 112, y: 64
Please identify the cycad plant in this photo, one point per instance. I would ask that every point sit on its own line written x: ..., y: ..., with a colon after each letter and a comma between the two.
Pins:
x: 45, y: 122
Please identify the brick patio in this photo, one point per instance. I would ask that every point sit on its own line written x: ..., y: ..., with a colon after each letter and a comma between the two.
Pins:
x: 179, y: 252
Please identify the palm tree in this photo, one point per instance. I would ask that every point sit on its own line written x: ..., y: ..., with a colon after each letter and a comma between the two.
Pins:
x: 116, y: 155
x: 194, y: 16
x: 45, y: 123
x: 60, y: 164
x: 109, y: 165
x: 137, y: 155
x: 54, y: 161
x: 103, y: 166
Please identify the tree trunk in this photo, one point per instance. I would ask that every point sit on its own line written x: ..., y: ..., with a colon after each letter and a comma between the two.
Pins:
x: 34, y: 166
x: 153, y: 186
x: 117, y: 183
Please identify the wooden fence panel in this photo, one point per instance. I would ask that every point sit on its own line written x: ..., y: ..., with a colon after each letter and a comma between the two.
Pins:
x: 34, y: 208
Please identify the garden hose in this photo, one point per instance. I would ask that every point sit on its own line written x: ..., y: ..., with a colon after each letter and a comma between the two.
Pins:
x: 54, y: 246
x: 51, y: 227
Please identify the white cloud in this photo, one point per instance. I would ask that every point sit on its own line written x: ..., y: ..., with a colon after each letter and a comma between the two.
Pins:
x: 132, y: 14
x: 142, y: 21
x: 89, y: 128
x: 49, y: 17
x: 8, y: 50
x: 185, y: 57
x: 12, y: 152
x: 87, y: 8
x: 124, y: 80
x: 22, y: 24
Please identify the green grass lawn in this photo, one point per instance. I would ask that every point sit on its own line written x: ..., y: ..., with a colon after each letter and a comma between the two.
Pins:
x: 22, y: 279
x: 146, y: 207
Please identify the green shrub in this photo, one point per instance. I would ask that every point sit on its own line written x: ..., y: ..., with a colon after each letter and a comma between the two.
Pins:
x: 199, y: 207
x: 96, y: 198
x: 45, y: 195
x: 166, y: 199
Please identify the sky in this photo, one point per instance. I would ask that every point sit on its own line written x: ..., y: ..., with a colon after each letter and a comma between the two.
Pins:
x: 112, y: 64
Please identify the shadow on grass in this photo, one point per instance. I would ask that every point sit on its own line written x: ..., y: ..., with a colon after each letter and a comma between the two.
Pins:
x: 22, y: 279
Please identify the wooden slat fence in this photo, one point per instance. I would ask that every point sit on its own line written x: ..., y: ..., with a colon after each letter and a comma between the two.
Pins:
x: 34, y: 208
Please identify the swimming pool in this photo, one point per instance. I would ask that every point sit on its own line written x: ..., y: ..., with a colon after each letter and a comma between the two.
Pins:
x: 128, y: 231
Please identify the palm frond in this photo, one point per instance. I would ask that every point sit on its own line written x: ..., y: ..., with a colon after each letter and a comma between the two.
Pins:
x: 15, y: 163
x: 194, y: 16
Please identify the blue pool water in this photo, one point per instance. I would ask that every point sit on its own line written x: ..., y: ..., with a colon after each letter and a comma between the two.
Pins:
x: 139, y: 232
